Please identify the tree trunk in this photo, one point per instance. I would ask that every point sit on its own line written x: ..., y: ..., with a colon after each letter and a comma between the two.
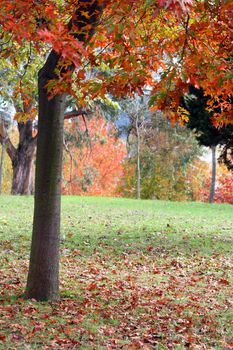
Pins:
x: 22, y: 182
x: 213, y: 176
x: 22, y: 157
x: 23, y: 160
x: 43, y: 276
x: 1, y: 163
x: 23, y: 171
x: 138, y: 161
x: 42, y: 283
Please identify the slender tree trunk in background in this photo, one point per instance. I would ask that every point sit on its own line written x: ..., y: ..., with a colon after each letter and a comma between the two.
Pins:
x: 1, y: 163
x: 213, y: 176
x: 43, y: 276
x: 138, y: 161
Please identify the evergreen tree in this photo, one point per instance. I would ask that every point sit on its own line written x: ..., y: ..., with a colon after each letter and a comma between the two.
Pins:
x: 208, y: 135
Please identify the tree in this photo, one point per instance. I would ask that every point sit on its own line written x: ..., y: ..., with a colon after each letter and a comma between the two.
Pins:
x: 224, y: 190
x: 92, y: 166
x: 22, y: 157
x: 43, y: 282
x: 226, y: 155
x: 137, y: 114
x: 133, y: 40
x: 224, y: 187
x: 207, y: 134
x: 166, y: 154
x: 19, y: 90
x: 197, y: 173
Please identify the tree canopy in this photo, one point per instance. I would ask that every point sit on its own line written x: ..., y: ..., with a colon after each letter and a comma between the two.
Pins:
x: 165, y: 44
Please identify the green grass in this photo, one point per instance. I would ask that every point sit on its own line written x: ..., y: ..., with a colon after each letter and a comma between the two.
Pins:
x: 134, y: 275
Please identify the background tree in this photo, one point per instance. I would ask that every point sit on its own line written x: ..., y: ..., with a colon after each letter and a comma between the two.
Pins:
x: 136, y: 115
x: 226, y: 154
x: 197, y: 173
x: 224, y: 190
x: 93, y: 162
x: 19, y: 89
x: 166, y: 153
x: 20, y: 92
x: 207, y: 134
x: 224, y: 183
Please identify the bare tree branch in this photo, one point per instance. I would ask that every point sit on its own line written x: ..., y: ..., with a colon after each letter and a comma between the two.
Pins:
x: 76, y: 113
x: 71, y: 159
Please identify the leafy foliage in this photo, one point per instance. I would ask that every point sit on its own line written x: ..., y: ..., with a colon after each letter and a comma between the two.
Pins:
x: 224, y: 188
x: 94, y: 166
x: 6, y: 173
x: 224, y: 193
x: 166, y: 153
x: 197, y: 173
x: 180, y: 42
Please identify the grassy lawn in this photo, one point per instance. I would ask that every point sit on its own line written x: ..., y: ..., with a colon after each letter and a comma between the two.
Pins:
x: 134, y: 275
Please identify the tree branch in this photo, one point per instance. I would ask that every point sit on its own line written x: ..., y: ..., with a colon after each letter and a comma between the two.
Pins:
x: 11, y: 150
x: 76, y: 113
x: 71, y: 159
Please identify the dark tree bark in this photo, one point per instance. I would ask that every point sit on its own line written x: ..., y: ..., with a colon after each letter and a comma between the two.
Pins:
x: 213, y: 176
x: 23, y: 161
x: 43, y: 276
